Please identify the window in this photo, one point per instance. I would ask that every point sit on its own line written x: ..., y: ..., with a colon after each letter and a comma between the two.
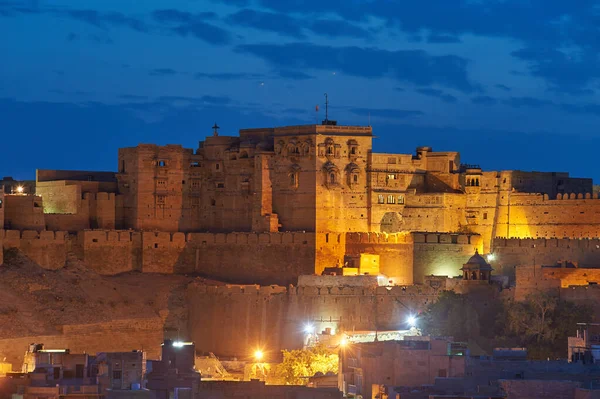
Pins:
x: 355, y: 178
x: 380, y: 199
x: 353, y: 150
x: 330, y: 150
x: 161, y: 199
x: 220, y: 185
x: 391, y: 176
x: 195, y: 164
x: 116, y: 374
x: 332, y: 178
x: 391, y: 199
x: 195, y: 184
x: 401, y: 200
x: 162, y: 164
x: 294, y: 179
x: 183, y: 182
x: 122, y: 166
x: 217, y: 166
x: 485, y: 216
x: 161, y: 183
x: 213, y: 202
x: 391, y: 160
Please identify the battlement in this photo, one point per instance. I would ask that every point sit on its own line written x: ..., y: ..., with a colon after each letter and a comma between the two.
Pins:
x: 394, y: 291
x: 12, y: 235
x: 377, y: 238
x: 445, y: 238
x: 101, y: 196
x: 581, y: 243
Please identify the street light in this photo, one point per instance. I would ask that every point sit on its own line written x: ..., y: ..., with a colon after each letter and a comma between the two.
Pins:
x: 491, y: 257
x: 412, y: 321
x: 309, y: 328
x: 20, y: 189
x: 258, y: 355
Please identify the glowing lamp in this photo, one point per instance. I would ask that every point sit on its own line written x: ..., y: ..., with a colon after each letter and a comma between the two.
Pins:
x: 20, y: 189
x: 411, y: 320
x: 178, y: 344
x: 309, y: 328
x: 343, y: 342
x: 258, y: 355
x: 491, y: 257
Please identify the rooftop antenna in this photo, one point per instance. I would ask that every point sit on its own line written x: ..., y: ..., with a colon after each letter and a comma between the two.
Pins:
x: 326, y: 109
x: 216, y: 129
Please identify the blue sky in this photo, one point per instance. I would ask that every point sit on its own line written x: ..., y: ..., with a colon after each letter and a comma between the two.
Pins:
x: 511, y: 84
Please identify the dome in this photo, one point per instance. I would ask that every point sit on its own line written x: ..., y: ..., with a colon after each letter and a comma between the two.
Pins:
x: 477, y: 262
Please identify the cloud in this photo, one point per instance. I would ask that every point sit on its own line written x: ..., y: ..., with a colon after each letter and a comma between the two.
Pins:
x: 132, y: 97
x: 338, y: 28
x: 202, y: 100
x: 440, y: 38
x: 518, y: 102
x: 386, y: 112
x: 437, y: 94
x: 268, y: 21
x: 103, y: 20
x: 484, y: 100
x: 163, y: 72
x: 229, y: 76
x: 502, y: 87
x: 413, y: 66
x: 185, y: 23
x: 294, y: 75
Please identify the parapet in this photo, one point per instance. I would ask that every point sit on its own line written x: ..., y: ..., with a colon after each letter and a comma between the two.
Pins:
x: 377, y: 238
x: 101, y: 196
x: 11, y: 235
x: 531, y: 243
x: 445, y: 238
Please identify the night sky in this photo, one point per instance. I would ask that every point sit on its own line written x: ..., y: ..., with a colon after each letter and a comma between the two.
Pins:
x: 511, y: 84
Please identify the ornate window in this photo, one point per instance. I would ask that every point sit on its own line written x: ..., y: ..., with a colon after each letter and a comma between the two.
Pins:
x: 391, y: 199
x: 380, y: 199
x: 294, y: 175
x: 353, y: 172
x: 401, y: 200
x: 352, y: 148
x: 331, y: 174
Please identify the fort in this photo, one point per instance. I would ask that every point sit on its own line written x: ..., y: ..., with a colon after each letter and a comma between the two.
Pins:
x: 260, y: 209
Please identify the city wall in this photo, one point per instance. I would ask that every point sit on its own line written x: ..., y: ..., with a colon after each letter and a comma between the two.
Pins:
x: 112, y: 336
x: 261, y: 258
x: 510, y: 253
x: 409, y: 257
x: 234, y: 320
x: 47, y: 248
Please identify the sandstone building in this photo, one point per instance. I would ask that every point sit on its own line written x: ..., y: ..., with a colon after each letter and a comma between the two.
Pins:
x: 299, y: 191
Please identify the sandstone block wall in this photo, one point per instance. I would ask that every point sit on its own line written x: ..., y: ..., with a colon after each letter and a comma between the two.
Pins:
x: 234, y: 320
x: 113, y: 336
x: 409, y: 257
x: 46, y: 248
x: 539, y: 389
x: 510, y: 253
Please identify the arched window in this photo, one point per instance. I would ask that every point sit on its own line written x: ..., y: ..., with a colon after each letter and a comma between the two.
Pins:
x: 355, y: 178
x: 401, y: 200
x: 244, y: 154
x: 329, y: 150
x: 380, y: 199
x: 391, y: 199
x: 294, y: 179
x: 477, y: 182
x: 332, y: 178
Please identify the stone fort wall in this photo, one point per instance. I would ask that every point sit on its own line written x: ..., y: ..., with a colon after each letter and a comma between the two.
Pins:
x: 111, y: 336
x: 261, y: 258
x: 235, y: 320
x: 510, y: 253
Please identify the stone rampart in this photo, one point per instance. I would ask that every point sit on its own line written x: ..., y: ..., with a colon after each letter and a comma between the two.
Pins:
x: 233, y: 320
x: 513, y: 252
x: 46, y: 248
x: 113, y: 336
x: 409, y: 257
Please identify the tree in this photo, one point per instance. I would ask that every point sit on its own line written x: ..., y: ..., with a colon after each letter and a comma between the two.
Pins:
x: 299, y: 364
x: 533, y: 317
x: 451, y: 315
